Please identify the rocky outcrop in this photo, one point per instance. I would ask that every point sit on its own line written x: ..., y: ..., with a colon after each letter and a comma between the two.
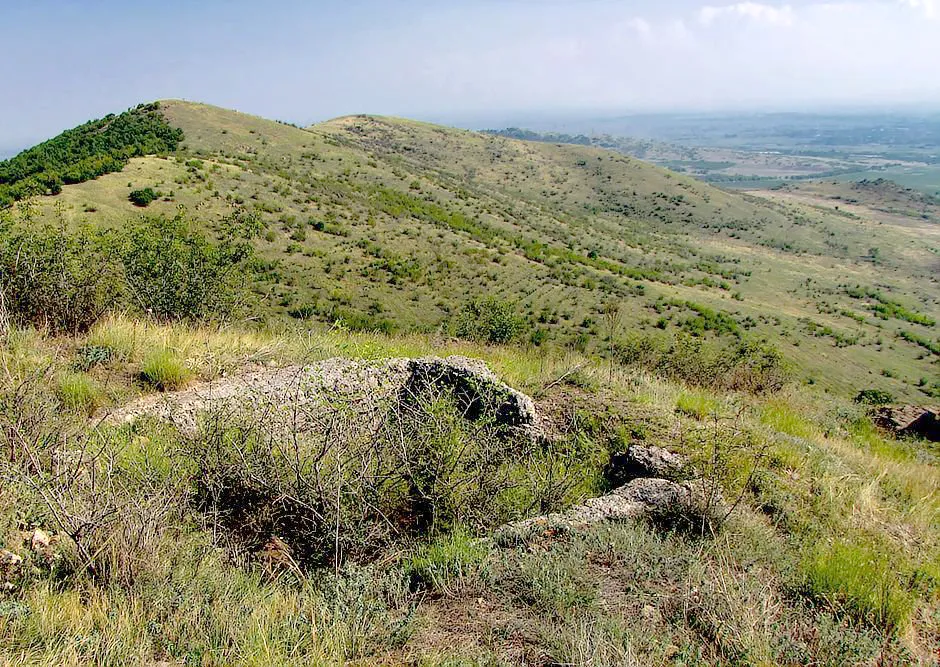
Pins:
x: 910, y: 420
x: 296, y: 397
x: 641, y: 498
x: 644, y: 493
x: 644, y: 461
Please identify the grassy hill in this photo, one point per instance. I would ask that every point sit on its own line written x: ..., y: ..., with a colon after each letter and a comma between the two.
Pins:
x: 391, y: 224
x: 354, y: 518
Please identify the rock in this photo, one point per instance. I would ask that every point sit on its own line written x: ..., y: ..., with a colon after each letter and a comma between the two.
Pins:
x: 644, y: 461
x: 910, y: 420
x: 43, y: 545
x: 296, y: 396
x: 477, y: 389
x: 641, y: 498
x: 10, y: 564
x: 40, y: 540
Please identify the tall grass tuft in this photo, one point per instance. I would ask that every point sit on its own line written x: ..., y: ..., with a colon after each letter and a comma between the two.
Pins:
x: 165, y: 371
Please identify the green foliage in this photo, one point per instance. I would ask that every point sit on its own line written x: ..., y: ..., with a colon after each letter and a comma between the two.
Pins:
x: 447, y: 559
x: 490, y: 320
x: 142, y: 198
x: 932, y: 346
x: 696, y: 404
x: 164, y: 370
x: 887, y: 308
x: 745, y: 364
x: 80, y: 393
x: 874, y: 397
x: 174, y: 272
x: 58, y: 280
x: 86, y: 152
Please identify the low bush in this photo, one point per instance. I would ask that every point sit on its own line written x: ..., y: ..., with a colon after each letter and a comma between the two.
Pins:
x: 174, y: 272
x: 874, y: 397
x: 350, y: 489
x: 489, y: 320
x: 741, y: 365
x: 57, y: 280
x: 142, y: 198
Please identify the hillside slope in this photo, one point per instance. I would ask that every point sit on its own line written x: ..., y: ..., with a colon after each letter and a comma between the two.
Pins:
x: 391, y: 224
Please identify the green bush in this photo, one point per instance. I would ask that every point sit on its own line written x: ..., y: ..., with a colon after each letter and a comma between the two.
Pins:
x: 742, y: 365
x: 58, y: 280
x: 489, y: 320
x: 874, y: 397
x: 142, y: 198
x: 174, y: 272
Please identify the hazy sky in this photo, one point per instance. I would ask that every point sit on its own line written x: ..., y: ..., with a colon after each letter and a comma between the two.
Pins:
x: 69, y: 61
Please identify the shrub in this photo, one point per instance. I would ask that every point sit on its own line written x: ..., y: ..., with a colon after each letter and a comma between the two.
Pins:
x: 56, y: 280
x: 142, y: 198
x: 874, y: 397
x: 742, y: 365
x: 165, y: 371
x: 489, y: 320
x: 348, y: 490
x: 174, y: 272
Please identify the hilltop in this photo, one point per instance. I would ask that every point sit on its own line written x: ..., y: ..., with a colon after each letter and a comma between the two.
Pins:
x: 390, y: 224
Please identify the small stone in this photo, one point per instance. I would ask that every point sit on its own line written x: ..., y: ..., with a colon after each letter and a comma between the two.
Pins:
x: 9, y: 561
x: 40, y: 540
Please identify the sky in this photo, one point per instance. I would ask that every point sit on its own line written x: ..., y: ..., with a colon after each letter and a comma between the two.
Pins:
x: 68, y: 61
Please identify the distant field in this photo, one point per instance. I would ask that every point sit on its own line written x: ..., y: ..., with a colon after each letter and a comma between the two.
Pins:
x: 746, y: 151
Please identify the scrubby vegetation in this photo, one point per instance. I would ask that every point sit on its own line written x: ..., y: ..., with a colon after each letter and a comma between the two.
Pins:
x: 65, y: 281
x: 357, y: 548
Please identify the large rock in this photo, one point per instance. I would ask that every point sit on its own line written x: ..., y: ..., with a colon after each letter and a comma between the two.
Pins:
x: 641, y: 498
x: 475, y: 387
x: 644, y: 461
x: 298, y: 397
x: 910, y: 420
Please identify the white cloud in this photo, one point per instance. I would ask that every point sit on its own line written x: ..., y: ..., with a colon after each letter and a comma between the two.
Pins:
x: 640, y: 25
x: 930, y: 8
x: 755, y: 11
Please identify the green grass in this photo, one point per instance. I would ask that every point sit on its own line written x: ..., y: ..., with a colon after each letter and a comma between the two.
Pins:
x: 751, y: 594
x: 696, y: 404
x: 860, y: 581
x: 447, y: 560
x: 165, y: 370
x: 80, y: 393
